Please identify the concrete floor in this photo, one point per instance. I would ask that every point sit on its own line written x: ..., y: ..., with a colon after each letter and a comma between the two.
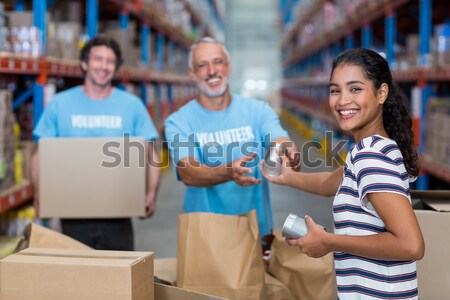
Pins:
x: 159, y: 233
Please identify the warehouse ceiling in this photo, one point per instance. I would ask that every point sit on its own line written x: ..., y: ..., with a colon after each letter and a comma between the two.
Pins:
x: 252, y: 37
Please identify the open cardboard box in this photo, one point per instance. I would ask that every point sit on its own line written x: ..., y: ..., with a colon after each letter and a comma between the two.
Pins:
x: 40, y: 237
x: 69, y: 274
x: 432, y: 209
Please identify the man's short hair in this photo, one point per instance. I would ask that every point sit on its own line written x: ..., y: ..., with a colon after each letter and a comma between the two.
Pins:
x: 205, y: 39
x: 102, y: 40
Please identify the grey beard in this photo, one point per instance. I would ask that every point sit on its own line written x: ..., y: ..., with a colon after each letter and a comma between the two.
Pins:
x: 208, y: 93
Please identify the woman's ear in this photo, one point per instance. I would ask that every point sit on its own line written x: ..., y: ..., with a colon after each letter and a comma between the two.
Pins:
x: 383, y: 93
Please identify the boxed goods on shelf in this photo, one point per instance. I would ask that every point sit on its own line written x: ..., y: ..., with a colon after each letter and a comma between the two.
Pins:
x: 437, y: 141
x: 7, y: 141
x: 125, y: 38
x: 442, y: 40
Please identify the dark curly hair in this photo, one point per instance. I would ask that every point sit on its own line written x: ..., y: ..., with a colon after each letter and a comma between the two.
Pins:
x: 396, y: 116
x: 101, y: 40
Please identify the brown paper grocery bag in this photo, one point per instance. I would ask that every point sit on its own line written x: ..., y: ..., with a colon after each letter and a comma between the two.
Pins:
x: 220, y: 255
x: 307, y: 278
x: 275, y: 289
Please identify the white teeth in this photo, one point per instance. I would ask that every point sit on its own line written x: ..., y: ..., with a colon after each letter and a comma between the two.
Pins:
x: 213, y: 80
x: 347, y: 112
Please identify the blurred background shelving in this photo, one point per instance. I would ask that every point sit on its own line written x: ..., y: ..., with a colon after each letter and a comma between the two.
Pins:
x: 39, y: 50
x: 281, y: 53
x: 413, y: 35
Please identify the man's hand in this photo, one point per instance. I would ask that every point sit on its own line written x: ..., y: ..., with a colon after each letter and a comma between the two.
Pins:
x: 236, y: 171
x: 293, y: 155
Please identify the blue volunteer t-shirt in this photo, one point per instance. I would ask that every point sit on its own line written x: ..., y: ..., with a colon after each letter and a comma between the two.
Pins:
x: 218, y: 137
x: 72, y: 113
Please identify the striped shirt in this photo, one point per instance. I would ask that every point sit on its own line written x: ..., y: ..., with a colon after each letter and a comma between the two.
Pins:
x: 374, y: 165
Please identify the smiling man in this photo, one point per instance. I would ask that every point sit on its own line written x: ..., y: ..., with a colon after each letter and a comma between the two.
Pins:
x: 97, y: 109
x: 217, y: 141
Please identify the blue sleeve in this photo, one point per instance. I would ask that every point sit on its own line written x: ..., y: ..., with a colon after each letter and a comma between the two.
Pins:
x: 270, y: 123
x: 48, y: 123
x: 180, y: 139
x: 144, y: 125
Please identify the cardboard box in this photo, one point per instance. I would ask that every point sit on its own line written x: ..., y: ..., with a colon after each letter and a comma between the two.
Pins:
x: 92, y: 177
x: 167, y: 292
x: 41, y: 237
x: 43, y: 274
x: 433, y: 270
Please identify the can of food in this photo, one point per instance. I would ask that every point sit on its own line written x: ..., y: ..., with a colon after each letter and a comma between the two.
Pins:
x: 295, y: 227
x: 272, y: 161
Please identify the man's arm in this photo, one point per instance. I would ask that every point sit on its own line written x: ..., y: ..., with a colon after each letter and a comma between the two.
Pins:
x: 153, y: 177
x: 193, y: 173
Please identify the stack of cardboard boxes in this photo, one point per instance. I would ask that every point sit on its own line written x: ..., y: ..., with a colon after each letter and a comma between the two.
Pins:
x: 437, y: 141
x: 54, y: 266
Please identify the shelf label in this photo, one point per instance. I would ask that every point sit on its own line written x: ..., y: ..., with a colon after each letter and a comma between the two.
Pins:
x: 24, y: 193
x: 11, y: 199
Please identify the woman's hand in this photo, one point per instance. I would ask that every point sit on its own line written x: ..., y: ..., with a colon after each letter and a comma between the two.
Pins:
x: 313, y: 244
x: 286, y: 172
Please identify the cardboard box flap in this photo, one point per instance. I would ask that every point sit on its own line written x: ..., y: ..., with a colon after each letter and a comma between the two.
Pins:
x: 42, y: 237
x: 438, y: 205
x: 79, y: 257
x: 166, y: 292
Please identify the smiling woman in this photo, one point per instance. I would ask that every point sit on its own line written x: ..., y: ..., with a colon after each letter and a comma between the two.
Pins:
x: 377, y: 237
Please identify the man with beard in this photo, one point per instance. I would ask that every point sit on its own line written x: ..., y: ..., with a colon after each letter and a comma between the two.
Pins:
x: 97, y: 109
x: 217, y: 141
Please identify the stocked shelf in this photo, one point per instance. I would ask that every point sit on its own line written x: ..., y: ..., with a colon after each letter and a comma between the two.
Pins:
x: 292, y: 102
x: 16, y: 64
x: 301, y: 22
x: 427, y: 74
x: 364, y: 16
x: 413, y: 75
x: 196, y: 17
x: 435, y: 168
x: 15, y: 196
x: 153, y: 16
x: 305, y: 81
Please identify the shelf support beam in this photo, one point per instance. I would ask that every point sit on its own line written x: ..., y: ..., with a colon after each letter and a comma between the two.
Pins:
x: 337, y: 48
x: 39, y: 12
x: 425, y: 15
x: 160, y: 52
x: 145, y: 44
x: 367, y: 37
x: 425, y: 24
x: 22, y: 98
x: 349, y: 42
x: 170, y: 100
x: 124, y: 19
x: 390, y: 27
x: 20, y: 5
x: 91, y: 18
x: 38, y: 102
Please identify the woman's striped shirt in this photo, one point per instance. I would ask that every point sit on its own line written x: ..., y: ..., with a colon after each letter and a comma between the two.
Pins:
x: 374, y: 165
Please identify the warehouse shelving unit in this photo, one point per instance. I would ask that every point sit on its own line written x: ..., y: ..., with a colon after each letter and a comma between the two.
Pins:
x: 171, y: 89
x: 305, y: 73
x: 15, y: 196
